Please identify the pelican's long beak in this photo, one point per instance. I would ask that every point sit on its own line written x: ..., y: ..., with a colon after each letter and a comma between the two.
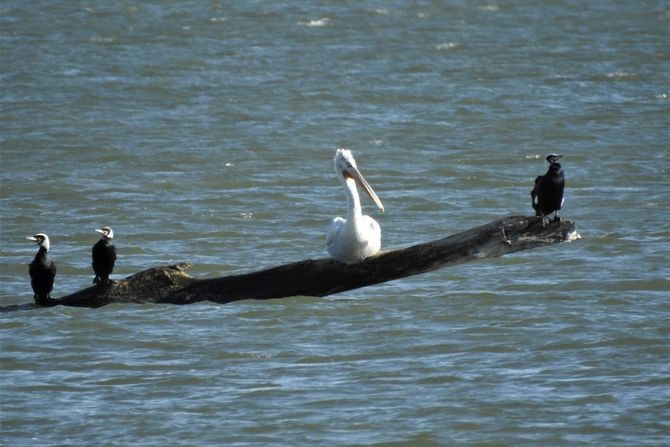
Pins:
x: 355, y: 174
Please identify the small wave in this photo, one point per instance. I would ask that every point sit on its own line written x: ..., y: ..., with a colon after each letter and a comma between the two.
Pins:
x: 101, y: 39
x: 446, y: 46
x: 614, y: 76
x: 619, y: 75
x: 490, y: 8
x: 315, y: 23
x: 71, y: 72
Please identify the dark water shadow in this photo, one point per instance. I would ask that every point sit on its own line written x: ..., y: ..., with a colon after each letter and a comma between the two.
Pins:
x: 19, y: 307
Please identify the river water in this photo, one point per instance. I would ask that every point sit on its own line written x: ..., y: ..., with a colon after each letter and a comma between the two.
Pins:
x: 204, y: 132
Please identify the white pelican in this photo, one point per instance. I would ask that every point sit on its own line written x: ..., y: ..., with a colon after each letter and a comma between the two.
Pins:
x: 356, y: 237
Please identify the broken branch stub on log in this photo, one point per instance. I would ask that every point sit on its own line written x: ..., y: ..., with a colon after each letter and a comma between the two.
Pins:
x: 321, y: 277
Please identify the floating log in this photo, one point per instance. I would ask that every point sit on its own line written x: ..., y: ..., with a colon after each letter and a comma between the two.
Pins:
x: 321, y: 277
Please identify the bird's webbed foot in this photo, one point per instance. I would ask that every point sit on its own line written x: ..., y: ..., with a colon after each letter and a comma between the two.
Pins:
x: 45, y: 301
x: 103, y: 283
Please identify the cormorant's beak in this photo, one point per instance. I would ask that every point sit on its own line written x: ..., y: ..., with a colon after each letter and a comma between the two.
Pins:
x: 552, y: 158
x: 354, y: 173
x: 100, y: 231
x: 32, y: 238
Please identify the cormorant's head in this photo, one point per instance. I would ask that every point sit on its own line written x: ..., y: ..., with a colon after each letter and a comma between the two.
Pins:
x: 40, y: 239
x: 554, y: 168
x: 553, y: 158
x: 106, y: 232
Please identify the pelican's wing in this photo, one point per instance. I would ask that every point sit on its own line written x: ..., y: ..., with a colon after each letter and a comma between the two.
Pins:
x: 334, y: 230
x: 374, y: 237
x: 375, y: 229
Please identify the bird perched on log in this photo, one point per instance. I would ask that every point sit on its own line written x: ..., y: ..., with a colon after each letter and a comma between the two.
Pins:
x: 103, y: 254
x: 358, y: 236
x: 547, y: 195
x: 42, y: 270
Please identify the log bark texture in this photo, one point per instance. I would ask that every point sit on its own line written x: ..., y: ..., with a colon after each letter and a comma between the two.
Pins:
x: 321, y: 277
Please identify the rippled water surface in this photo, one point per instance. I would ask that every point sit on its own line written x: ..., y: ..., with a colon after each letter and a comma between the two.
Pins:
x: 204, y: 132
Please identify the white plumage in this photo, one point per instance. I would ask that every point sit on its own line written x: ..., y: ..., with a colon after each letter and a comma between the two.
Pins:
x: 357, y: 237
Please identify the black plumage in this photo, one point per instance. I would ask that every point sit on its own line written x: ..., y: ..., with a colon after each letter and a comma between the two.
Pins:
x: 42, y: 270
x: 103, y: 255
x: 547, y: 195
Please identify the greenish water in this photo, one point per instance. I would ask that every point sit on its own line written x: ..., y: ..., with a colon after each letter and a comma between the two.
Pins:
x: 204, y: 132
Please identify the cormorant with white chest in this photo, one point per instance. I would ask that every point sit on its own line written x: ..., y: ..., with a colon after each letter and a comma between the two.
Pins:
x: 42, y: 270
x: 103, y: 255
x: 547, y: 195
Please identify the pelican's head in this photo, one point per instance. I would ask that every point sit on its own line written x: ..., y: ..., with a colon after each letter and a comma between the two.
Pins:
x: 345, y: 168
x: 553, y: 158
x: 106, y: 232
x: 40, y: 239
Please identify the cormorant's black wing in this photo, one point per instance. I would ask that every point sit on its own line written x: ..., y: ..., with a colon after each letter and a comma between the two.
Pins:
x: 52, y: 271
x: 534, y: 193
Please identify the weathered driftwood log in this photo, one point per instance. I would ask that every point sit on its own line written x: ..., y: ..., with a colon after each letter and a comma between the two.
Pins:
x: 321, y: 277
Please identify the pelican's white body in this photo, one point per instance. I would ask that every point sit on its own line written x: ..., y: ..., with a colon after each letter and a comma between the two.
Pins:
x: 357, y: 237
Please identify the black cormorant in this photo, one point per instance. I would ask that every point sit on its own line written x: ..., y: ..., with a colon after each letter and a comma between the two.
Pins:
x: 547, y: 194
x: 103, y: 255
x: 42, y: 270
